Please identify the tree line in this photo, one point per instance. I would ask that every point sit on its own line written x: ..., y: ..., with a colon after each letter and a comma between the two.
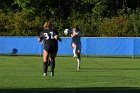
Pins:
x: 95, y: 18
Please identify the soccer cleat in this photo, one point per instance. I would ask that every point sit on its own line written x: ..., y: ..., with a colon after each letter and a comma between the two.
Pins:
x: 75, y: 56
x: 52, y: 73
x: 78, y: 68
x: 45, y: 74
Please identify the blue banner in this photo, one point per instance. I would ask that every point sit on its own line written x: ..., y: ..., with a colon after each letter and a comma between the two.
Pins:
x: 90, y: 46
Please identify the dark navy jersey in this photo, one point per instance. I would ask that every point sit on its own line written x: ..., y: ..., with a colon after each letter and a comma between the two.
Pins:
x: 77, y: 39
x: 47, y: 36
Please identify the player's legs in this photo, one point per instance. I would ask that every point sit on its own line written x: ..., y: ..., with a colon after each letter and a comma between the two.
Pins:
x: 74, y: 49
x: 49, y: 59
x: 52, y: 62
x: 78, y: 52
x: 53, y: 53
x: 45, y: 60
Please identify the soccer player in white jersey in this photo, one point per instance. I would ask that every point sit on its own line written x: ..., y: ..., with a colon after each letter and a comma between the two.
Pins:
x: 76, y: 44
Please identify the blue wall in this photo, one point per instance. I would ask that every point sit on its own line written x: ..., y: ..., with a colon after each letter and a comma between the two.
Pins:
x: 90, y: 46
x: 24, y: 45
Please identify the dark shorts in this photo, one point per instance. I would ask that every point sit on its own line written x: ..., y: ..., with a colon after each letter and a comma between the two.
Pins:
x: 51, y: 49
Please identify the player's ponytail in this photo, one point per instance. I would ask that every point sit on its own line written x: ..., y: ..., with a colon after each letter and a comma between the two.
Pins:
x: 48, y: 25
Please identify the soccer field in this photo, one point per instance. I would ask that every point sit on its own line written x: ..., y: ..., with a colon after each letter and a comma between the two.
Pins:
x: 26, y: 73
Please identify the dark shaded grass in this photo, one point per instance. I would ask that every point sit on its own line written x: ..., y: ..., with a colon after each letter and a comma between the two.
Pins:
x: 74, y: 90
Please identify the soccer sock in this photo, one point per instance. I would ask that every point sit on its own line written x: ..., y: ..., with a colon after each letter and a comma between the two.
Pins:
x: 49, y: 62
x: 52, y: 65
x: 45, y: 66
x: 78, y: 62
x: 74, y: 51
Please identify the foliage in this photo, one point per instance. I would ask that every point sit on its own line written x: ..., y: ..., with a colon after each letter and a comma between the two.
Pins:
x: 116, y: 26
x: 26, y: 17
x: 19, y: 24
x: 134, y: 22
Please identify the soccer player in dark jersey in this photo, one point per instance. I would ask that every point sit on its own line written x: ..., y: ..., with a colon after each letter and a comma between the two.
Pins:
x: 50, y: 40
x: 76, y: 44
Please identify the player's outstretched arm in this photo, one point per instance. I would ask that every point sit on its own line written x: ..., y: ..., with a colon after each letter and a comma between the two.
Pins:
x: 39, y: 40
x: 58, y: 38
x: 75, y: 34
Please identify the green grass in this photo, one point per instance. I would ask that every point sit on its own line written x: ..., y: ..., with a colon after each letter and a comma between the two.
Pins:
x: 26, y: 72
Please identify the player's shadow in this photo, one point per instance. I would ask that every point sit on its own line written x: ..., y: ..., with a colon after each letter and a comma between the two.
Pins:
x: 74, y: 90
x: 98, y: 69
x: 102, y: 69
